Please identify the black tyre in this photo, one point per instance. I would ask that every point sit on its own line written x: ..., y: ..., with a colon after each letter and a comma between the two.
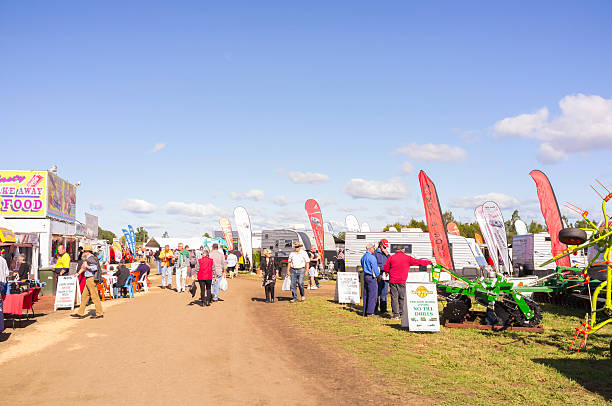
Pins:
x: 520, y: 319
x: 455, y: 311
x: 572, y: 236
x: 501, y: 315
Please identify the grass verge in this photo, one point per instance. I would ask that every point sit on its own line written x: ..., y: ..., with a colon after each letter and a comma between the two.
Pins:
x: 470, y: 367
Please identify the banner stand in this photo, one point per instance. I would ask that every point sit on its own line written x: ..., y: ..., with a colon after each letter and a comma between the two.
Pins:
x: 68, y: 292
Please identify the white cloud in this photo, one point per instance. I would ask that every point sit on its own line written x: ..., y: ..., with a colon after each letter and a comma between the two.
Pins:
x: 281, y: 200
x: 158, y: 147
x: 152, y: 226
x: 394, y: 189
x: 193, y: 209
x: 504, y: 201
x: 137, y: 206
x: 584, y: 124
x: 406, y: 168
x: 433, y: 152
x: 254, y: 194
x: 308, y: 177
x: 96, y: 205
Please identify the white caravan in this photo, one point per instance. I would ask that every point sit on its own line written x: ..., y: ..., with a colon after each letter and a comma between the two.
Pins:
x: 529, y: 251
x: 465, y: 252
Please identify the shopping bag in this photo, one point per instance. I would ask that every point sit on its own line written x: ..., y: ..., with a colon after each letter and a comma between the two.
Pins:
x: 287, y: 283
x: 223, y: 284
x: 193, y: 289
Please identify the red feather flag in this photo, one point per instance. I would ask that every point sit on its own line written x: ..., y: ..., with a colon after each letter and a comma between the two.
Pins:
x: 313, y: 210
x: 435, y: 223
x: 551, y: 213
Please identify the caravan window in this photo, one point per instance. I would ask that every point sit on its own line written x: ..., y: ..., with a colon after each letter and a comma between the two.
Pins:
x: 361, y: 236
x: 395, y: 247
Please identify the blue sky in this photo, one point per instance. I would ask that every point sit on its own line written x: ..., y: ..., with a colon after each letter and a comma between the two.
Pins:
x: 246, y: 103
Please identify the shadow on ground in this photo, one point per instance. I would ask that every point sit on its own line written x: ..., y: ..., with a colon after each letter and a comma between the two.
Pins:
x: 593, y: 375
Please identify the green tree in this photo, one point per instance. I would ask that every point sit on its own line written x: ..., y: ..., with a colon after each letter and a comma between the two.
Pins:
x: 106, y: 235
x: 448, y: 217
x: 342, y: 236
x: 165, y: 235
x: 141, y: 235
x: 582, y: 223
x: 535, y: 228
x: 412, y: 224
x: 206, y: 235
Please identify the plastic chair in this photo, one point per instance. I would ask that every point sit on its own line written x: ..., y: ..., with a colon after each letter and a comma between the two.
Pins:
x: 102, y: 288
x: 144, y: 281
x: 128, y: 285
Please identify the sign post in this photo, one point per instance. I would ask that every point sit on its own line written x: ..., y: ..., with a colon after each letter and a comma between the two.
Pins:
x: 67, y: 292
x: 347, y: 287
x: 420, y: 311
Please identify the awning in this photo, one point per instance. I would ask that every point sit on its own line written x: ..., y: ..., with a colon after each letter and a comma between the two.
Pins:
x: 7, y: 235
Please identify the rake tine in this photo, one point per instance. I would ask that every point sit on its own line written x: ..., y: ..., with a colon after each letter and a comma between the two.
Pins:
x: 602, y: 198
x: 602, y: 185
x: 572, y: 209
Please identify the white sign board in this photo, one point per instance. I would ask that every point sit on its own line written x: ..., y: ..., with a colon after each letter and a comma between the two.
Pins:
x: 420, y: 311
x: 347, y: 287
x: 66, y: 294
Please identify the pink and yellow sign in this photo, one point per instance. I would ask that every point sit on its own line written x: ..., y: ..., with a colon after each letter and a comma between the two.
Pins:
x: 23, y: 193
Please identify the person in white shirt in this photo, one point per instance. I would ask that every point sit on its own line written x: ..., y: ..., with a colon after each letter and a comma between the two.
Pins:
x: 4, y: 269
x: 297, y: 262
x: 232, y: 261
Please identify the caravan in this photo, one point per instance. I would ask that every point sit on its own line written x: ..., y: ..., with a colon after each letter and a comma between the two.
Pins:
x: 466, y: 254
x: 531, y: 250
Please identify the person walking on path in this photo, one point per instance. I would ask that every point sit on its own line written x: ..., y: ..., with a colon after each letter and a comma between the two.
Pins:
x: 269, y: 273
x: 232, y: 262
x: 381, y: 255
x: 205, y: 276
x: 398, y: 265
x: 297, y: 262
x: 62, y: 266
x: 181, y: 262
x: 166, y: 258
x: 370, y: 280
x: 313, y: 269
x: 90, y: 267
x: 219, y: 266
x: 157, y: 261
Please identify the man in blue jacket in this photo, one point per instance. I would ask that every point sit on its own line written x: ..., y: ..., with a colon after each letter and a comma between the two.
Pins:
x: 381, y: 255
x: 370, y: 280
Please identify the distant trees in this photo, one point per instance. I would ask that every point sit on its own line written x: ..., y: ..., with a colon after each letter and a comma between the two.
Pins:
x: 141, y: 235
x: 106, y: 235
x: 165, y: 235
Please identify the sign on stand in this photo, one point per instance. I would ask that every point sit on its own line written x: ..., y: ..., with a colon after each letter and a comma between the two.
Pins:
x: 420, y: 311
x: 347, y: 287
x: 67, y: 292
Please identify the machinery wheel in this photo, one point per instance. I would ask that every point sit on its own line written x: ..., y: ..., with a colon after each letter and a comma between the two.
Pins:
x: 572, y: 236
x: 519, y: 317
x: 455, y: 311
x: 500, y: 316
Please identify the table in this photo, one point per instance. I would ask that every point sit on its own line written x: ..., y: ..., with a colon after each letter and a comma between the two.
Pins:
x: 14, y: 303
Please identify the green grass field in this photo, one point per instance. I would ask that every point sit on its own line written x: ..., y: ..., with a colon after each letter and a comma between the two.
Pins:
x: 470, y: 367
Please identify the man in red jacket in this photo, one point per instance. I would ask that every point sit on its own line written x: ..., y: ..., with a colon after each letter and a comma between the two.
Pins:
x: 204, y: 268
x: 397, y: 266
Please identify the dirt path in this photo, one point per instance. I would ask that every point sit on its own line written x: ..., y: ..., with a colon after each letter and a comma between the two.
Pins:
x: 157, y: 349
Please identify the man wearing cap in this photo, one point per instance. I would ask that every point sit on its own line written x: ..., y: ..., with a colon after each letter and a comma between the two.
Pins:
x: 370, y: 280
x: 89, y: 266
x: 297, y: 264
x: 398, y: 266
x: 381, y: 255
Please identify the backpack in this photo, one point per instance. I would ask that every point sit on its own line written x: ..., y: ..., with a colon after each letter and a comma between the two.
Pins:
x: 93, y: 260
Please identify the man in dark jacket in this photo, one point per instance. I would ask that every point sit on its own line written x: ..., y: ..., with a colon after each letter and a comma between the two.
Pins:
x: 122, y: 275
x: 381, y: 255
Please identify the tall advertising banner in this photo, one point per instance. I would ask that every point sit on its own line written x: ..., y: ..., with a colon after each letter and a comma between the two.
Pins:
x: 91, y: 226
x: 453, y: 228
x: 365, y: 228
x: 226, y: 229
x: 61, y: 198
x: 132, y: 239
x: 117, y: 249
x: 435, y: 223
x: 128, y: 240
x: 23, y: 194
x: 488, y: 237
x: 352, y: 224
x: 495, y: 221
x: 243, y: 226
x: 313, y: 210
x: 551, y: 213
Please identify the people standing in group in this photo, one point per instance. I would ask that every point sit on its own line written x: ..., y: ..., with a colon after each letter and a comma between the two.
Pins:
x: 341, y: 263
x: 269, y: 273
x: 313, y: 268
x: 4, y: 271
x: 90, y: 268
x: 191, y: 271
x: 62, y: 266
x: 381, y: 255
x: 166, y: 257
x: 397, y: 266
x: 219, y: 265
x: 158, y: 261
x: 371, y: 273
x: 205, y: 277
x: 297, y: 263
x: 22, y: 268
x: 181, y: 263
x: 232, y: 262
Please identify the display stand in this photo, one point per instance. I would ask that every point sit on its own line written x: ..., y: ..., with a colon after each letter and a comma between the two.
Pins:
x: 67, y: 294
